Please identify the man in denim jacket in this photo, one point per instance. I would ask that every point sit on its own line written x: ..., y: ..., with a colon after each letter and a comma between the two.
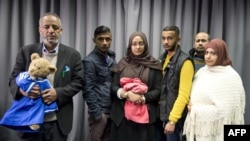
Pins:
x: 98, y: 78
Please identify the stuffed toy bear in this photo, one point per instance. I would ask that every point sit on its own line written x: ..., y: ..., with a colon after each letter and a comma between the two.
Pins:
x: 27, y: 114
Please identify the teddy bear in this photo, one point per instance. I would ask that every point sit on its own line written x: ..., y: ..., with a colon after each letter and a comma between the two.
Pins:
x: 27, y: 114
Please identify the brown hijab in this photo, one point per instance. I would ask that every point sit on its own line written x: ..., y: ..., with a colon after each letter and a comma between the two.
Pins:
x: 220, y: 48
x: 137, y: 66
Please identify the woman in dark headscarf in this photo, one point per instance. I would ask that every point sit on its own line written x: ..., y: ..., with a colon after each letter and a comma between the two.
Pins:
x: 217, y: 96
x: 137, y: 63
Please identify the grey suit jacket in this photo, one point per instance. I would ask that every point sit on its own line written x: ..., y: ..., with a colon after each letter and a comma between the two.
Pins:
x: 66, y: 86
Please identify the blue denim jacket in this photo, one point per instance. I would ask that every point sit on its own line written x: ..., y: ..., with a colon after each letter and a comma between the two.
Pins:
x: 98, y: 80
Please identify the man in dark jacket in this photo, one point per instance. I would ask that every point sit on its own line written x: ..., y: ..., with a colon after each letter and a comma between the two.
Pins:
x: 178, y: 72
x: 67, y: 81
x: 198, y: 51
x: 98, y: 78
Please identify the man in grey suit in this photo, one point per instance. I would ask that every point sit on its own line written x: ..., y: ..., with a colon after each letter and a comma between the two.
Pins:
x: 67, y: 81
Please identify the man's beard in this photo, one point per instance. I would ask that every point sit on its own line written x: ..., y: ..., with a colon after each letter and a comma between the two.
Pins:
x: 173, y: 47
x: 200, y: 51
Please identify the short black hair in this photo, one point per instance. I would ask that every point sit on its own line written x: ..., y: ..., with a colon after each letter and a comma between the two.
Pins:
x: 101, y: 29
x: 172, y: 28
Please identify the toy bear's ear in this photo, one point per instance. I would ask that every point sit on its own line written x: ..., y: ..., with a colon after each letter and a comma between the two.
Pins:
x: 34, y: 56
x: 52, y: 69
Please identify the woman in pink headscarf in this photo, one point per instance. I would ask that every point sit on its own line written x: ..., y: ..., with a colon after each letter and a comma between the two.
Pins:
x: 217, y: 96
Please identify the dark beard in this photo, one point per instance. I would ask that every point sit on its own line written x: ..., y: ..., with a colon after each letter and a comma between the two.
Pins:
x: 173, y: 47
x: 200, y: 52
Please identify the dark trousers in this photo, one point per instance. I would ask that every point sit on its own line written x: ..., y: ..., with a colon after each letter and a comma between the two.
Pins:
x: 159, y: 131
x: 99, y: 130
x: 49, y: 132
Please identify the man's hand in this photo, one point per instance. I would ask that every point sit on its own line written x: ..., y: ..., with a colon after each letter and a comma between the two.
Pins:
x: 169, y: 128
x: 34, y: 93
x: 49, y: 95
x: 189, y: 106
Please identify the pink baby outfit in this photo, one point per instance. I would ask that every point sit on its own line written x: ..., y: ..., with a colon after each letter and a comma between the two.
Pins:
x: 135, y: 112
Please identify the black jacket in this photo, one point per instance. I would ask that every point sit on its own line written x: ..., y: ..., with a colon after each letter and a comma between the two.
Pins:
x: 170, y: 83
x: 66, y: 86
x: 98, y: 79
x: 198, y: 61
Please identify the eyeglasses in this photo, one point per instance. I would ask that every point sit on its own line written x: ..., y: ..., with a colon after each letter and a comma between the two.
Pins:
x: 139, y: 43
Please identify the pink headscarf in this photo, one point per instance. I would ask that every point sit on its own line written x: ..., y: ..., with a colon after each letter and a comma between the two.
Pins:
x: 220, y: 48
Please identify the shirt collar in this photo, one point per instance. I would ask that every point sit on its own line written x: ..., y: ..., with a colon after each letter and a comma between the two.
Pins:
x: 52, y: 52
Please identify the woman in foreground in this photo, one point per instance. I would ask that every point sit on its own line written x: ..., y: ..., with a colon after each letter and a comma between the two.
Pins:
x: 217, y: 96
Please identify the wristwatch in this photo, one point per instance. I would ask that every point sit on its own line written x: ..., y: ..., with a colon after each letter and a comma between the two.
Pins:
x: 171, y: 122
